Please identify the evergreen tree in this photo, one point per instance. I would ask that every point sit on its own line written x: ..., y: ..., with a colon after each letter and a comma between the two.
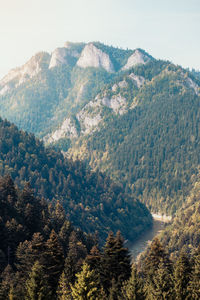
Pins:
x: 132, y: 289
x: 54, y: 260
x: 194, y: 282
x: 161, y: 287
x: 115, y: 261
x: 74, y: 260
x: 36, y: 285
x: 7, y: 282
x: 63, y: 291
x: 157, y: 269
x: 182, y: 273
x: 85, y: 287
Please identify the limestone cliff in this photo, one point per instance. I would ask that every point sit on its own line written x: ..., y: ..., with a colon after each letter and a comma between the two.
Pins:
x: 138, y: 57
x: 21, y: 74
x: 91, y: 56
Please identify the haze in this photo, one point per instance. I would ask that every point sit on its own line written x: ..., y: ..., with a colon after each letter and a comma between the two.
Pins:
x: 166, y: 29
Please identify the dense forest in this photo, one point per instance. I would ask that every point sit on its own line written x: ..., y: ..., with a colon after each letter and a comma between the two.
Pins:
x: 91, y: 200
x: 183, y: 233
x: 43, y: 257
x: 154, y: 148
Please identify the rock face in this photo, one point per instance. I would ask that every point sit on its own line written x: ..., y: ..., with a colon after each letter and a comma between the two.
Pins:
x: 136, y: 58
x: 63, y: 56
x: 91, y: 56
x: 193, y: 86
x: 117, y: 103
x: 67, y: 129
x: 20, y: 75
x: 139, y: 80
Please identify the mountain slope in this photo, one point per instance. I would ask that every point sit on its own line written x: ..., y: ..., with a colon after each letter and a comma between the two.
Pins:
x: 153, y: 145
x: 184, y: 233
x: 40, y: 95
x: 91, y: 200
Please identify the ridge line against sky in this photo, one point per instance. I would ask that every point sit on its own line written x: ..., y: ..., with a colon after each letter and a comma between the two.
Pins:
x: 165, y: 29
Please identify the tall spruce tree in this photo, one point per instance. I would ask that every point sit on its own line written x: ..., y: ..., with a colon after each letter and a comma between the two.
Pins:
x: 54, y: 260
x: 182, y: 273
x: 85, y: 288
x: 194, y: 282
x: 36, y: 285
x: 132, y: 289
x: 115, y: 261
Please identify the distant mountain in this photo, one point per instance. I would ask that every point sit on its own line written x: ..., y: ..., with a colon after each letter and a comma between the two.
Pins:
x: 45, y: 91
x: 143, y: 130
x: 91, y: 200
x: 122, y: 111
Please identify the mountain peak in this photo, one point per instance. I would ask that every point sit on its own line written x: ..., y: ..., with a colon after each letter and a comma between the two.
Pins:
x: 138, y: 57
x: 19, y: 75
x: 91, y: 56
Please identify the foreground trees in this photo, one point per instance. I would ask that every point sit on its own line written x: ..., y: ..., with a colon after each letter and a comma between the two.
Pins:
x: 60, y: 262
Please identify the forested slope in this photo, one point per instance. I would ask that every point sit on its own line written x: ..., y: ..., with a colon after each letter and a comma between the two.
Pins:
x: 153, y: 148
x: 91, y: 200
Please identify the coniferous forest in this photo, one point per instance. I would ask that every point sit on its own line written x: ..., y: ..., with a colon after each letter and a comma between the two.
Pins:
x: 118, y: 141
x: 44, y: 257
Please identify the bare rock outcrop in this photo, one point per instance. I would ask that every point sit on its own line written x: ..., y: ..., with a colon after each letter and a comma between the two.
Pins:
x: 138, y: 57
x: 91, y: 56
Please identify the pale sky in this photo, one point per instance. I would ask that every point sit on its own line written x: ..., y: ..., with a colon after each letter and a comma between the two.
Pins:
x: 166, y: 29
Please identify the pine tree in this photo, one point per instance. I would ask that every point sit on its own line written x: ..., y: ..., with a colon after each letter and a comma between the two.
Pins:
x: 133, y: 289
x: 115, y: 261
x: 64, y: 290
x: 54, y: 260
x: 74, y: 260
x: 194, y: 282
x: 36, y: 284
x: 157, y: 269
x: 182, y: 273
x: 162, y: 286
x: 7, y: 277
x: 85, y: 287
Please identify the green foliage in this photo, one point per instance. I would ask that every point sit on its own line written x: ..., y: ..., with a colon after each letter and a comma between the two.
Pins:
x: 36, y: 285
x: 88, y: 197
x: 152, y: 149
x: 132, y: 289
x: 85, y: 287
x: 183, y: 233
x: 115, y: 261
x: 182, y: 274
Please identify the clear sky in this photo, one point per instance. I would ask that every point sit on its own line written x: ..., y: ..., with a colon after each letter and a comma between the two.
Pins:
x: 167, y: 29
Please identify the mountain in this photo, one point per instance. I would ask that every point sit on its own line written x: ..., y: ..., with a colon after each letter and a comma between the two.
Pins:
x: 92, y: 201
x: 122, y: 111
x: 50, y: 88
x: 183, y: 233
x: 143, y: 131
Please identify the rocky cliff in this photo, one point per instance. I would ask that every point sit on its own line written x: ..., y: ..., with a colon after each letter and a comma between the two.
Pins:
x: 91, y: 56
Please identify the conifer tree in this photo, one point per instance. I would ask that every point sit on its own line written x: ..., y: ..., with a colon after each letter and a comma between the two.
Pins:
x: 54, y: 260
x: 36, y: 284
x: 132, y: 289
x: 157, y: 269
x: 7, y: 277
x: 74, y: 260
x: 182, y: 273
x: 63, y: 291
x: 85, y: 287
x: 115, y: 261
x: 194, y: 282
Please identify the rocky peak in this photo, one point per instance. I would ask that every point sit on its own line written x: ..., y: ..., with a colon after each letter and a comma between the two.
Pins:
x: 19, y: 75
x: 91, y: 56
x: 138, y: 57
x: 63, y: 56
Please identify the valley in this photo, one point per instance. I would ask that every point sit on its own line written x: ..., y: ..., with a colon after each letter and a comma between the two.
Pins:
x: 93, y: 138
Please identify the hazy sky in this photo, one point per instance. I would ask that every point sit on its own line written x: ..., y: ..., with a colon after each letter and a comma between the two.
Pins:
x: 167, y: 29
